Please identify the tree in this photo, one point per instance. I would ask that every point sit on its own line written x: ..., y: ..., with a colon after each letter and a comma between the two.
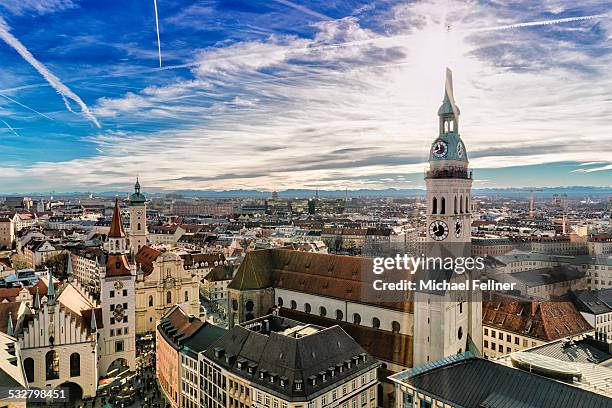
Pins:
x: 58, y: 264
x: 19, y: 262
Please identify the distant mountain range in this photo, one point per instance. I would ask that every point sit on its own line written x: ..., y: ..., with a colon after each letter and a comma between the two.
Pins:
x: 573, y: 191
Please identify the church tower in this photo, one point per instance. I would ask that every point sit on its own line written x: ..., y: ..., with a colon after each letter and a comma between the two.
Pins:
x: 447, y: 322
x: 117, y: 295
x: 138, y: 220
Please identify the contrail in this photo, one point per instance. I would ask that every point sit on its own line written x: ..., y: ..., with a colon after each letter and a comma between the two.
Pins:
x: 157, y: 28
x: 24, y: 106
x: 303, y: 9
x: 10, y: 128
x: 538, y: 23
x: 53, y: 80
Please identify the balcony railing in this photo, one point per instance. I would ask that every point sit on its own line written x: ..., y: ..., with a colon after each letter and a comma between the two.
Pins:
x: 458, y: 173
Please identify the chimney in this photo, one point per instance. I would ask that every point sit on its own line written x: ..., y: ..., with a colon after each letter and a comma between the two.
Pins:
x: 534, y: 307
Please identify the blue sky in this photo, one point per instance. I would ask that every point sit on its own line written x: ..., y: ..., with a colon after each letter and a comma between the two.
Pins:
x: 298, y: 94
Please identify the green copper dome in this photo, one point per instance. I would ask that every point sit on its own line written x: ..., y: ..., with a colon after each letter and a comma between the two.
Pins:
x: 137, y: 198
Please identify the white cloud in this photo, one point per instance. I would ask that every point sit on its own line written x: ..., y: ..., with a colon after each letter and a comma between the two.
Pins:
x: 293, y: 112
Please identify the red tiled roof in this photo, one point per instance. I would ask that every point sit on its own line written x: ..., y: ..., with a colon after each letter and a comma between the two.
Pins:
x: 545, y: 320
x: 145, y: 257
x: 117, y: 265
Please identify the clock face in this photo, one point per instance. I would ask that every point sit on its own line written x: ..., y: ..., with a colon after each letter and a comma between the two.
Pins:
x: 118, y: 285
x: 460, y: 150
x: 458, y: 229
x: 438, y: 230
x: 139, y: 213
x: 439, y: 149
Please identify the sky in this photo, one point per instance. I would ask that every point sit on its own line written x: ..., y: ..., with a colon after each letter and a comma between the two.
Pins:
x: 281, y: 94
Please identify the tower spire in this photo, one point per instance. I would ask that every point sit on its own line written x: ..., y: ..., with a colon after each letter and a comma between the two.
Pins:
x: 37, y: 300
x: 9, y: 328
x: 69, y: 276
x: 116, y: 229
x: 50, y: 289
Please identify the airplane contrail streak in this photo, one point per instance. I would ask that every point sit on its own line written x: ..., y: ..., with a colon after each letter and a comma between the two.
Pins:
x: 157, y: 29
x: 25, y: 106
x: 10, y: 128
x: 53, y: 80
x: 304, y: 9
x: 538, y: 23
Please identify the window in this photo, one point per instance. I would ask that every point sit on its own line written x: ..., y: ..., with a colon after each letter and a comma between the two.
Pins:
x: 307, y: 307
x: 486, y: 331
x: 75, y: 364
x: 376, y: 322
x: 356, y: 318
x: 323, y: 311
x: 119, y: 346
x: 434, y: 206
x: 139, y: 227
x: 186, y: 296
x: 516, y: 340
x: 52, y: 365
x: 443, y: 206
x: 395, y: 327
x: 339, y: 315
x: 486, y: 344
x: 28, y: 367
x: 124, y: 292
x: 280, y: 301
x: 460, y: 333
x: 112, y: 293
x: 293, y: 305
x: 508, y: 338
x: 169, y: 297
x: 150, y: 300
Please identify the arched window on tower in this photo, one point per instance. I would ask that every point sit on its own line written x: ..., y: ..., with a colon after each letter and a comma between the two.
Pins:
x: 445, y: 126
x: 75, y: 365
x: 52, y: 365
x: 150, y: 300
x: 451, y: 126
x: 28, y: 367
x: 467, y: 205
x: 434, y: 206
x: 443, y: 206
x: 186, y: 296
x: 169, y: 297
x: 139, y: 227
x: 461, y: 205
x: 455, y: 205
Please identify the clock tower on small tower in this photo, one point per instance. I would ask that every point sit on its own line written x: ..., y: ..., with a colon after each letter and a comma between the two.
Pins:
x: 447, y: 322
x: 138, y: 220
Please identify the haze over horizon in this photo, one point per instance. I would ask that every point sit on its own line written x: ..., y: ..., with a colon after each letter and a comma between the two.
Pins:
x: 279, y: 95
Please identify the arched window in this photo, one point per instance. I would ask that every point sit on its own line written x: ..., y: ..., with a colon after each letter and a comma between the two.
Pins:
x: 451, y: 125
x: 445, y: 126
x: 186, y: 296
x: 323, y: 311
x: 455, y: 205
x: 434, y: 206
x: 249, y: 305
x: 356, y: 318
x: 307, y: 307
x: 51, y: 365
x: 339, y: 315
x: 443, y: 206
x: 395, y: 327
x: 280, y: 301
x: 28, y: 367
x: 461, y: 205
x: 150, y: 300
x: 169, y: 297
x: 467, y: 206
x: 139, y: 227
x: 293, y: 305
x: 460, y: 333
x: 376, y: 322
x: 75, y: 364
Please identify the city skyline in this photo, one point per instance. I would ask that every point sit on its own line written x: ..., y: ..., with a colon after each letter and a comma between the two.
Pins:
x: 298, y: 95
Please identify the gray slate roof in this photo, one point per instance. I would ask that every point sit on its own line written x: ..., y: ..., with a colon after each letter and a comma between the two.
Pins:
x: 473, y: 382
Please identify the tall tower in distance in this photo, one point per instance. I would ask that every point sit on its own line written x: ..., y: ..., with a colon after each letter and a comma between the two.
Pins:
x: 447, y: 322
x: 138, y: 219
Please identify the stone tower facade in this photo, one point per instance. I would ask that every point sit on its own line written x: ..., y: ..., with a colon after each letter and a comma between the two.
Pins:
x: 138, y: 220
